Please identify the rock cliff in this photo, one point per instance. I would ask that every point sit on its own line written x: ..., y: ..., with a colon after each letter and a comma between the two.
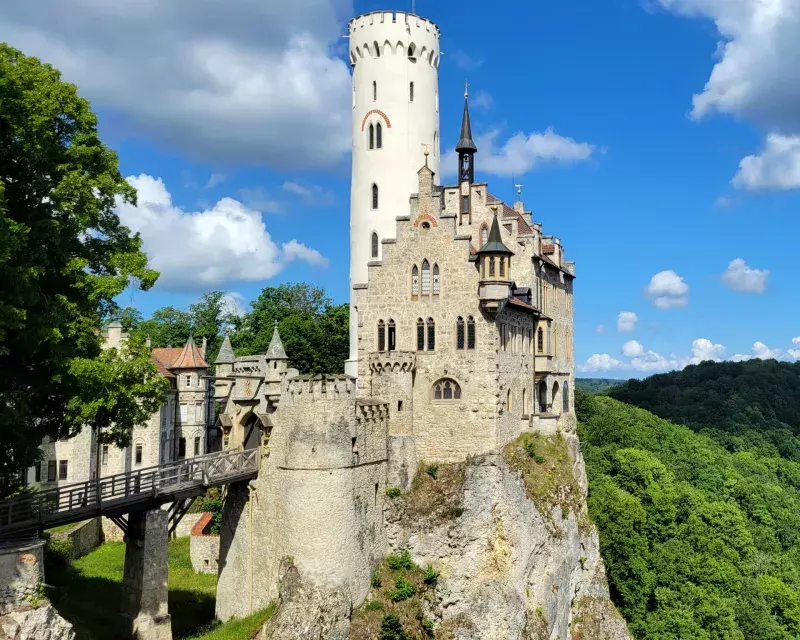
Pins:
x: 27, y: 622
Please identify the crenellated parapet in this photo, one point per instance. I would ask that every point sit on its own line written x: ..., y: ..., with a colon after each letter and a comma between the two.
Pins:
x: 319, y: 387
x: 392, y: 362
x: 390, y: 33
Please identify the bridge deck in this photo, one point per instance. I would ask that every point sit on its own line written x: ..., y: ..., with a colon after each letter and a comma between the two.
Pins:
x: 138, y: 490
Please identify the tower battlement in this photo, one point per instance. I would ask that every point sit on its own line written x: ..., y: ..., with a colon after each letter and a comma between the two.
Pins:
x: 320, y: 388
x: 385, y: 34
x: 399, y: 19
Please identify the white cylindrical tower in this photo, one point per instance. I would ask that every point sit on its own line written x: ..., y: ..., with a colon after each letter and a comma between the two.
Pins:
x: 395, y: 60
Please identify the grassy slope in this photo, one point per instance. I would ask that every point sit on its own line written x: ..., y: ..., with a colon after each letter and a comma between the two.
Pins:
x: 88, y: 592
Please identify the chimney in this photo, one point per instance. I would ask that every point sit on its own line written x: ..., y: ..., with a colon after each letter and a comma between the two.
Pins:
x: 205, y: 342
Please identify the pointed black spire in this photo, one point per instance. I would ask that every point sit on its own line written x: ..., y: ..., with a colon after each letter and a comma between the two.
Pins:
x: 466, y: 148
x: 494, y: 243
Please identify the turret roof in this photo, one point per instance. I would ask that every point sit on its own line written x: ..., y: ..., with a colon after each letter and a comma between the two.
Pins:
x: 494, y: 243
x: 276, y: 350
x: 466, y: 143
x: 225, y: 355
x: 191, y: 357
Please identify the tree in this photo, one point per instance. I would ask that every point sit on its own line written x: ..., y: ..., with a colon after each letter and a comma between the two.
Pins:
x: 64, y: 256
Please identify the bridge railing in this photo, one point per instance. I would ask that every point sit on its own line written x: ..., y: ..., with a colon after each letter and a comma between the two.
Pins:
x: 140, y: 485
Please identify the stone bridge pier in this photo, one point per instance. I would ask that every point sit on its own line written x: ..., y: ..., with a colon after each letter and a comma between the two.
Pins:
x: 144, y: 611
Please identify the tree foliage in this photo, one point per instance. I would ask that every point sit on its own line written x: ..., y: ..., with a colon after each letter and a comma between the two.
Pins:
x: 597, y: 385
x: 699, y: 541
x: 64, y: 256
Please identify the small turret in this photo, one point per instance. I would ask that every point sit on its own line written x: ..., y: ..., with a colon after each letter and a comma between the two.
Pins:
x: 276, y: 356
x: 494, y: 259
x: 225, y: 357
x: 466, y: 150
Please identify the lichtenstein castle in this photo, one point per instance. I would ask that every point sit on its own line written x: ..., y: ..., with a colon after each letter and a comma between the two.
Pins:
x: 461, y: 339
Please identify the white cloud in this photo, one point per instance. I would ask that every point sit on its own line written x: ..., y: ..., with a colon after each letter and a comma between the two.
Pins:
x: 626, y: 321
x: 600, y: 362
x: 632, y: 349
x: 703, y: 349
x: 667, y: 290
x: 600, y: 328
x: 794, y: 353
x: 310, y: 194
x: 760, y: 351
x: 522, y: 152
x: 222, y: 244
x: 739, y: 277
x: 214, y: 179
x: 255, y: 82
x: 796, y: 340
x: 776, y: 167
x: 234, y: 303
x: 481, y: 100
x: 755, y: 77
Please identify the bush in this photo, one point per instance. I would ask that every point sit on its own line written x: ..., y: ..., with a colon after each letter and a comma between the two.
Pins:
x: 376, y: 580
x: 432, y: 470
x: 428, y: 627
x: 403, y: 590
x: 530, y: 448
x: 391, y: 629
x: 57, y: 551
x: 212, y: 503
x: 431, y: 576
x: 393, y: 492
x: 402, y: 560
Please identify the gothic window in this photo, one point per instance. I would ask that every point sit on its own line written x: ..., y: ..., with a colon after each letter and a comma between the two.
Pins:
x: 374, y: 245
x: 381, y: 336
x: 565, y: 395
x: 426, y: 278
x: 138, y: 455
x: 181, y: 448
x: 392, y: 336
x: 539, y: 340
x: 436, y: 279
x: 554, y: 397
x: 420, y: 335
x: 446, y: 389
x: 371, y: 136
x: 197, y: 445
x: 525, y: 401
x: 491, y: 267
x: 470, y: 333
x: 378, y: 136
x: 374, y: 91
x: 411, y: 92
x: 460, y: 333
x: 502, y: 267
x: 374, y: 196
x: 414, y: 281
x: 105, y: 455
x: 431, y: 335
x: 484, y: 234
x: 464, y: 204
x: 509, y: 401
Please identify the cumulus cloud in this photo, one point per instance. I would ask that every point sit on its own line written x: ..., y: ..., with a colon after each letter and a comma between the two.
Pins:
x: 667, y: 290
x: 201, y: 249
x: 600, y: 362
x: 703, y: 349
x: 234, y: 303
x: 626, y: 321
x: 776, y: 167
x: 252, y: 82
x: 632, y: 349
x: 755, y: 77
x: 795, y: 353
x: 739, y: 277
x: 760, y: 351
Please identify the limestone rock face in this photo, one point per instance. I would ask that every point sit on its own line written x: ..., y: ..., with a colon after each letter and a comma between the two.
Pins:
x: 308, y: 613
x: 511, y: 570
x: 35, y: 623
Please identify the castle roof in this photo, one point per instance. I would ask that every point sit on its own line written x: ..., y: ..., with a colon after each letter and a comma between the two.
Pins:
x: 225, y: 355
x: 465, y: 143
x: 276, y: 350
x: 494, y: 243
x: 188, y: 357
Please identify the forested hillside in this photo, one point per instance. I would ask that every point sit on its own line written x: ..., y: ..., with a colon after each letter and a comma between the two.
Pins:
x: 699, y: 541
x: 595, y: 385
x: 743, y: 405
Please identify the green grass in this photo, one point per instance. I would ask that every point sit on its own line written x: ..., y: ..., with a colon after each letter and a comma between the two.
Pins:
x: 88, y: 592
x: 64, y: 527
x: 243, y: 629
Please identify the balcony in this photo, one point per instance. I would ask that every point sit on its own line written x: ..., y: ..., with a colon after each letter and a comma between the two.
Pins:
x: 544, y: 363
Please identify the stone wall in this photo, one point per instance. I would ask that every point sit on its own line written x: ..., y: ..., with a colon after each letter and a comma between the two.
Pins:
x: 204, y: 546
x: 21, y: 571
x: 83, y: 537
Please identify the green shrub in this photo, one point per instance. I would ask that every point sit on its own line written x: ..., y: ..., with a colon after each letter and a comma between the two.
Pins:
x: 393, y: 492
x: 57, y: 551
x: 530, y: 448
x: 403, y: 590
x: 391, y: 629
x: 431, y: 576
x: 432, y: 470
x: 373, y: 605
x: 402, y: 560
x: 376, y: 580
x: 428, y: 627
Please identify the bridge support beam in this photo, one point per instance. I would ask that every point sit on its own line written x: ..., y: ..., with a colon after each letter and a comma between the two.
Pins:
x: 145, y: 613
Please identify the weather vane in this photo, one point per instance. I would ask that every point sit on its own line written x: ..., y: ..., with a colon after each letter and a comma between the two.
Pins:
x: 466, y: 88
x: 519, y: 191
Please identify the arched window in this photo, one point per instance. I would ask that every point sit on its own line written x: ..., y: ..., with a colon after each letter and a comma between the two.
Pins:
x: 470, y: 333
x: 381, y: 336
x: 420, y: 335
x: 392, y: 336
x: 436, y: 279
x: 378, y: 136
x: 460, y: 333
x: 431, y: 335
x: 374, y: 245
x: 374, y: 90
x: 509, y: 401
x: 502, y: 267
x: 539, y: 340
x: 411, y: 51
x: 374, y: 196
x: 542, y: 390
x: 484, y: 234
x: 414, y: 281
x: 371, y: 136
x: 565, y: 394
x: 446, y: 389
x: 426, y: 278
x: 377, y: 49
x: 524, y: 401
x: 411, y: 92
x: 554, y: 397
x: 491, y: 267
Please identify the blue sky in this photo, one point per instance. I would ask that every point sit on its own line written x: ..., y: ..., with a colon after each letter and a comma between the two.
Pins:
x: 673, y: 147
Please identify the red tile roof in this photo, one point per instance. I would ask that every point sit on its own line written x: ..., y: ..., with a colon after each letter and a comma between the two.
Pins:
x: 510, y: 212
x: 191, y: 357
x: 516, y: 302
x: 162, y: 368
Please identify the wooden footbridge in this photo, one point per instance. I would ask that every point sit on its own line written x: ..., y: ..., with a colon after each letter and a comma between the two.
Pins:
x: 173, y: 483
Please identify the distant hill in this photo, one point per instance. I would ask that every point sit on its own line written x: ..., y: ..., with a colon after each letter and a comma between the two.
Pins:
x: 743, y: 405
x: 595, y: 385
